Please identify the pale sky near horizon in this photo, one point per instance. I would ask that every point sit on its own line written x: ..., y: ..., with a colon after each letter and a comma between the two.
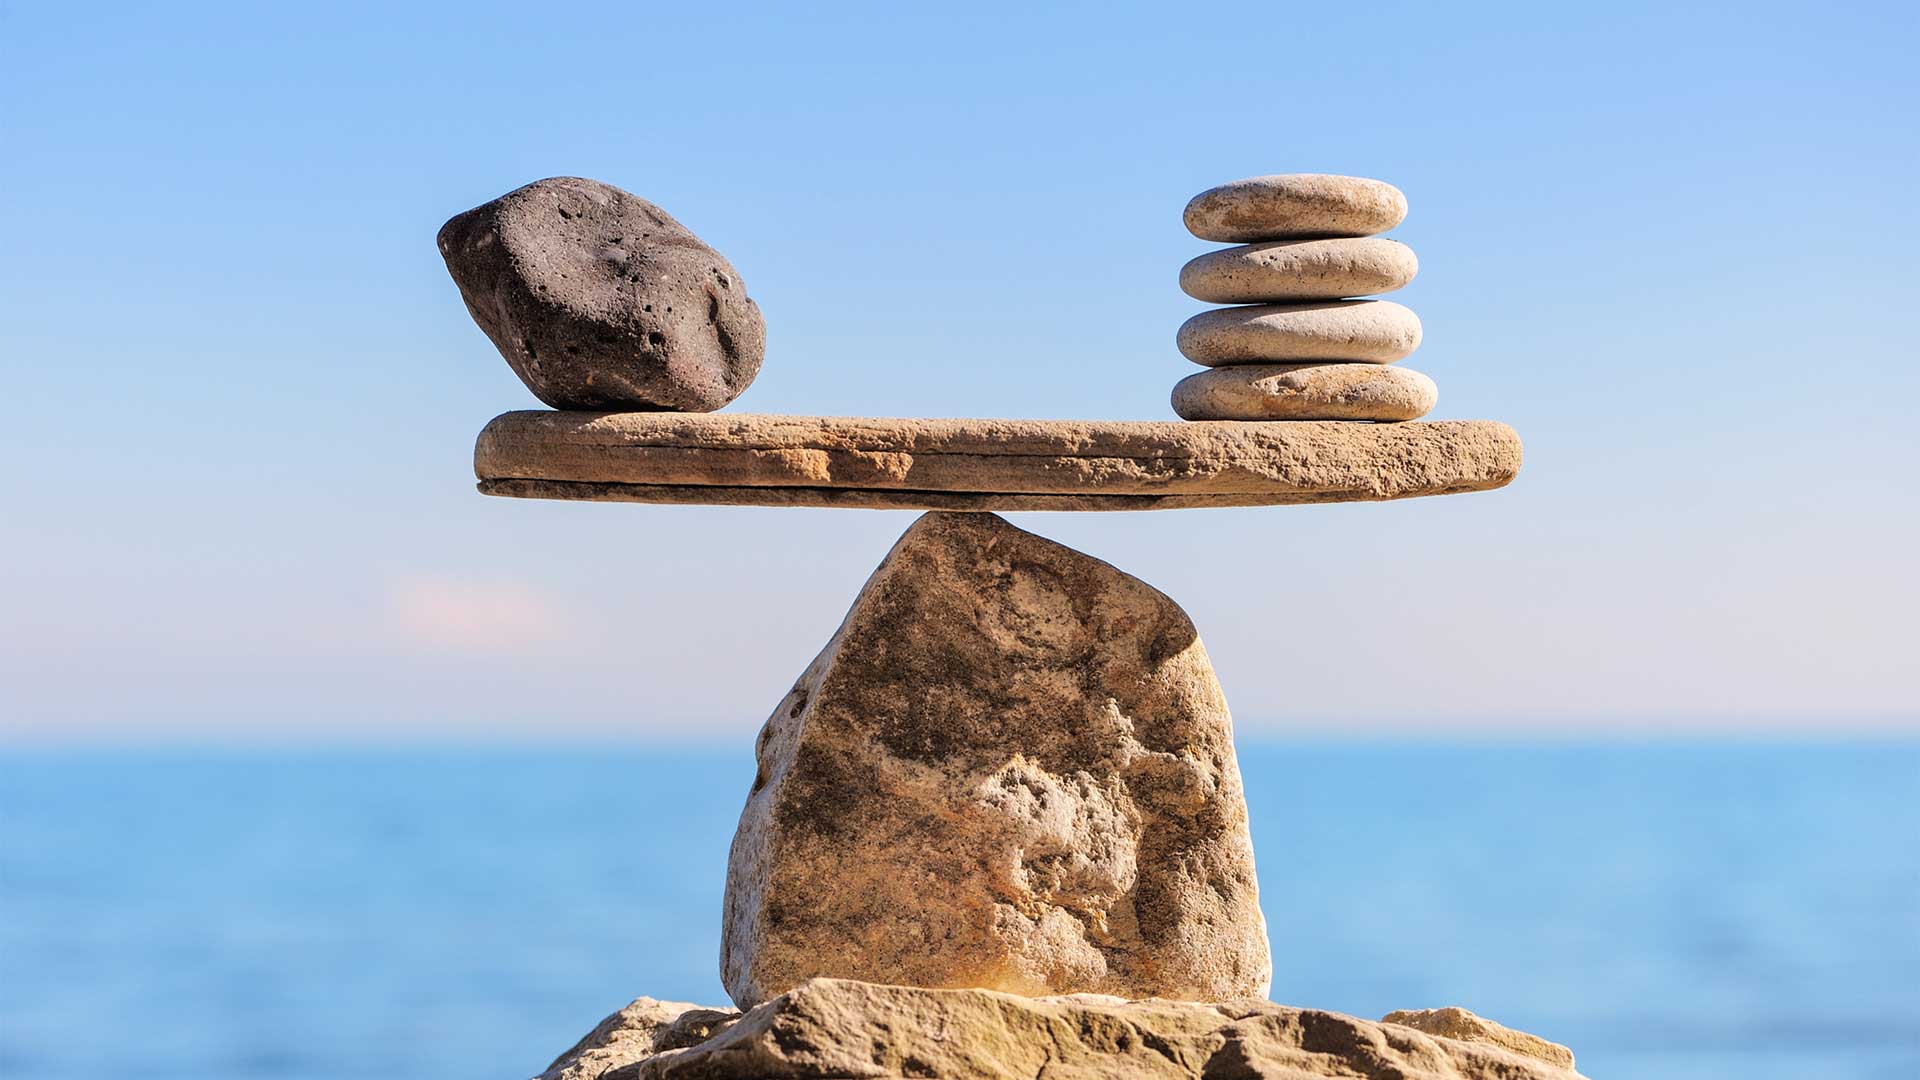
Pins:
x: 1672, y: 248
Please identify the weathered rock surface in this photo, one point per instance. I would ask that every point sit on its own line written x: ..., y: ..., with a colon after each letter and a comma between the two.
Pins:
x: 840, y: 1028
x: 1458, y: 1023
x: 748, y: 459
x: 644, y: 1028
x: 599, y: 299
x: 1305, y: 392
x: 1295, y: 206
x: 1011, y: 769
x: 1299, y: 270
x: 1354, y: 331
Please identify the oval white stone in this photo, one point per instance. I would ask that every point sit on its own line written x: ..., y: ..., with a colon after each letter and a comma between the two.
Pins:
x: 1359, y: 331
x: 1305, y: 392
x: 1299, y: 270
x: 1295, y: 206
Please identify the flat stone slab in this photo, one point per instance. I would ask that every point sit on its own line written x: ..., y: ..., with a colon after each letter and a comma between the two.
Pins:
x: 749, y: 459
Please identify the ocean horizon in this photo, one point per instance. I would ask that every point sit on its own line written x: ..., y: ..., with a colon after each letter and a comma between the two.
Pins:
x: 1682, y: 908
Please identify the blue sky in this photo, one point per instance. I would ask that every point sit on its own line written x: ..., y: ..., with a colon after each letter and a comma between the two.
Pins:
x: 1673, y: 249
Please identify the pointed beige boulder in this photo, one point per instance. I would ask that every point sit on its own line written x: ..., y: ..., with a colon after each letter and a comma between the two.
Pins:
x: 1011, y: 769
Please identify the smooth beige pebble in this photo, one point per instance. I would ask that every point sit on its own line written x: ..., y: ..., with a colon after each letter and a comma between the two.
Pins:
x: 1295, y: 206
x: 1299, y: 270
x: 1305, y: 392
x: 1357, y: 331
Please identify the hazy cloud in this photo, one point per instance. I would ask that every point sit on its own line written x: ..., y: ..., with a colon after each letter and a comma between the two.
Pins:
x: 497, y: 617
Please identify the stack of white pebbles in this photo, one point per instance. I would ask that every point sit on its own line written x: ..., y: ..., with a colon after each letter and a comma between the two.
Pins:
x: 1300, y: 346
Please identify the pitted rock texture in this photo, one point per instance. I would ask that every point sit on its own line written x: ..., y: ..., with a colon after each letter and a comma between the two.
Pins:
x: 841, y: 1028
x: 1295, y: 206
x: 851, y: 461
x: 1348, y: 331
x: 1457, y: 1023
x: 1305, y: 392
x: 1012, y: 769
x: 599, y: 299
x: 644, y: 1028
x: 1299, y: 270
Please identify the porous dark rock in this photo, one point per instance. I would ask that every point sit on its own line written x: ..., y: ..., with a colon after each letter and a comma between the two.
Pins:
x: 600, y: 300
x: 1012, y: 768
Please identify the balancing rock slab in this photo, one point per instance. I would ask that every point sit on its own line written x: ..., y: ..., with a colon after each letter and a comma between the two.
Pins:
x: 1305, y: 392
x: 1355, y: 331
x: 1299, y: 270
x: 940, y: 464
x: 843, y: 1028
x: 1295, y: 206
x: 1011, y: 769
x: 599, y: 299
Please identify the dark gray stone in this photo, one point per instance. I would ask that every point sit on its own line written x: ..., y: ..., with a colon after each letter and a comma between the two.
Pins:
x: 601, y: 300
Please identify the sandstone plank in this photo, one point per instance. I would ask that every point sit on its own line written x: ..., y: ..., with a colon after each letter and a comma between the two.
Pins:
x: 770, y: 460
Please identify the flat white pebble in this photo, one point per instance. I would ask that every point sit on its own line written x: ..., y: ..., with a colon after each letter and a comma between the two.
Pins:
x: 1295, y: 206
x: 1299, y: 270
x: 1305, y: 392
x: 1362, y: 331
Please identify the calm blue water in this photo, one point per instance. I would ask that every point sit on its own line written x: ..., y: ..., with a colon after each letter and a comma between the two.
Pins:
x: 1670, y: 910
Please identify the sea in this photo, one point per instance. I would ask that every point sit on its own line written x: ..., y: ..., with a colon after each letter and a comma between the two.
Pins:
x: 1671, y: 909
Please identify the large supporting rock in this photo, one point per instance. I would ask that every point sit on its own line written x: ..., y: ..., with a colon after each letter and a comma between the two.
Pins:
x: 837, y: 1028
x: 1012, y: 769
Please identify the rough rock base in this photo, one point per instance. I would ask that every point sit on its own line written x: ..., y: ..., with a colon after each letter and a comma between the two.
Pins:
x: 840, y: 1028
